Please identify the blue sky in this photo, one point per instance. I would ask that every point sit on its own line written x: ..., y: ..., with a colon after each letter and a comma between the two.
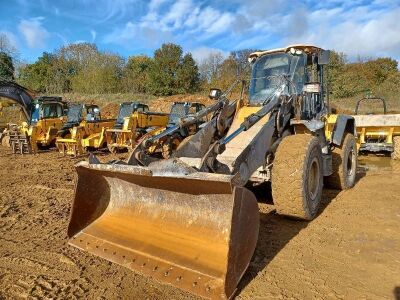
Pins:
x: 129, y: 27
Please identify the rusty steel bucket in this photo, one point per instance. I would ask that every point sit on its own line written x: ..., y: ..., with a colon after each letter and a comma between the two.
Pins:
x: 196, y: 232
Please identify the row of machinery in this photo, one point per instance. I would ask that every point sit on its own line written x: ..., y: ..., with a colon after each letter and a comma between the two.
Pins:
x: 76, y: 129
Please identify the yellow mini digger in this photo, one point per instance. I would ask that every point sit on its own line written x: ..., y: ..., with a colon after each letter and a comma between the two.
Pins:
x: 44, y: 117
x: 377, y: 132
x: 133, y: 121
x: 78, y: 139
x: 191, y: 221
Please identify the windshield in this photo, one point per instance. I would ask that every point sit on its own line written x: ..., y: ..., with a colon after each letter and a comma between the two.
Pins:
x: 74, y: 114
x: 265, y: 79
x: 51, y: 110
x: 125, y: 110
x: 178, y: 111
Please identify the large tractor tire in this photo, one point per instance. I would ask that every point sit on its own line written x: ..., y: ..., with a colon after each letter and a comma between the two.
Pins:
x: 396, y: 148
x: 297, y: 177
x: 344, y: 165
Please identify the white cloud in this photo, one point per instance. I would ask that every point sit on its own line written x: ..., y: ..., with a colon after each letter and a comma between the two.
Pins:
x: 354, y: 33
x: 34, y: 33
x: 201, y: 53
x: 93, y: 33
x: 355, y: 27
x: 176, y: 22
x: 156, y: 4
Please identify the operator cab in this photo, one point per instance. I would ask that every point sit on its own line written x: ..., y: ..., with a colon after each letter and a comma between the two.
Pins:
x: 47, y: 108
x: 181, y: 110
x: 92, y: 113
x: 77, y: 113
x: 126, y: 109
x: 295, y: 71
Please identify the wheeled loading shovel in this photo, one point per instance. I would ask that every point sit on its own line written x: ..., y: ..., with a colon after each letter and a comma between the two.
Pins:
x: 190, y: 220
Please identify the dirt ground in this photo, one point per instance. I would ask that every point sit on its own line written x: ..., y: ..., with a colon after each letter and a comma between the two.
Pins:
x: 350, y: 251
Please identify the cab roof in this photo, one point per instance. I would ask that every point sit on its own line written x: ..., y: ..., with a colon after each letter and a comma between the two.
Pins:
x: 309, y: 49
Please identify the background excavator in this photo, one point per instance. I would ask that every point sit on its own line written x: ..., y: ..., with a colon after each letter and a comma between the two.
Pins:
x: 192, y: 220
x: 71, y: 139
x: 44, y: 116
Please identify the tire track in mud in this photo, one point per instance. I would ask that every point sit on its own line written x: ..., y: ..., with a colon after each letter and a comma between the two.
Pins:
x: 350, y: 251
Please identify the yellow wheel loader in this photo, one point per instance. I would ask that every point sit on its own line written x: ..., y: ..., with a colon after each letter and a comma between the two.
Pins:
x: 162, y: 142
x: 44, y: 117
x: 377, y: 132
x: 191, y: 221
x: 133, y: 122
x: 84, y: 136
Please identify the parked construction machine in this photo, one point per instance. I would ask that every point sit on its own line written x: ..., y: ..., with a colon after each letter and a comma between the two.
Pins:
x: 81, y: 136
x: 377, y: 132
x: 163, y: 141
x: 192, y: 221
x: 44, y: 117
x: 133, y: 121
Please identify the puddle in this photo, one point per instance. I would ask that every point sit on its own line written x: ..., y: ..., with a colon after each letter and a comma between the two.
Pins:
x: 375, y: 163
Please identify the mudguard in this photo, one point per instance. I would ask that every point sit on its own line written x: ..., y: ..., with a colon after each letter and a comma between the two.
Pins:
x: 344, y: 124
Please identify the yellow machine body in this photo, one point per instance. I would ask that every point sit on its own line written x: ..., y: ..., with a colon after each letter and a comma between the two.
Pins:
x: 133, y: 128
x: 376, y: 133
x: 89, y: 134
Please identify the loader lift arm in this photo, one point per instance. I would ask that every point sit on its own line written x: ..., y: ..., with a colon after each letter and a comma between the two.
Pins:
x: 222, y: 111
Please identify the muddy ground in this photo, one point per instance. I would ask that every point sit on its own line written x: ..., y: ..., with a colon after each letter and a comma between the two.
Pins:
x: 350, y: 251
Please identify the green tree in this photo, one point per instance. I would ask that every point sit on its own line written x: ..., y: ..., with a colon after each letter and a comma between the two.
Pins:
x: 39, y: 75
x: 101, y: 73
x: 170, y: 71
x: 6, y: 67
x: 188, y: 76
x: 136, y: 74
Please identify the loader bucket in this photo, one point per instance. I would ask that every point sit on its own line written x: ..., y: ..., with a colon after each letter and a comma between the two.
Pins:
x: 196, y: 232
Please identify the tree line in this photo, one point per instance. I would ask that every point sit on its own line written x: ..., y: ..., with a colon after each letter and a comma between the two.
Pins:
x: 83, y: 68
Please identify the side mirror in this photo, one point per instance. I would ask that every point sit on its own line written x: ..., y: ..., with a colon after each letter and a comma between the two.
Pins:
x: 323, y: 57
x: 215, y: 94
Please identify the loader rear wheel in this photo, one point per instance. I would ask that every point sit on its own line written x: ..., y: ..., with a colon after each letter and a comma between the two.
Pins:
x: 344, y: 165
x: 297, y: 177
x: 396, y: 148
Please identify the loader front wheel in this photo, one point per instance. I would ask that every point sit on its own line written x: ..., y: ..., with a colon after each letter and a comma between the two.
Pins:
x: 344, y: 165
x: 396, y: 148
x: 297, y: 177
